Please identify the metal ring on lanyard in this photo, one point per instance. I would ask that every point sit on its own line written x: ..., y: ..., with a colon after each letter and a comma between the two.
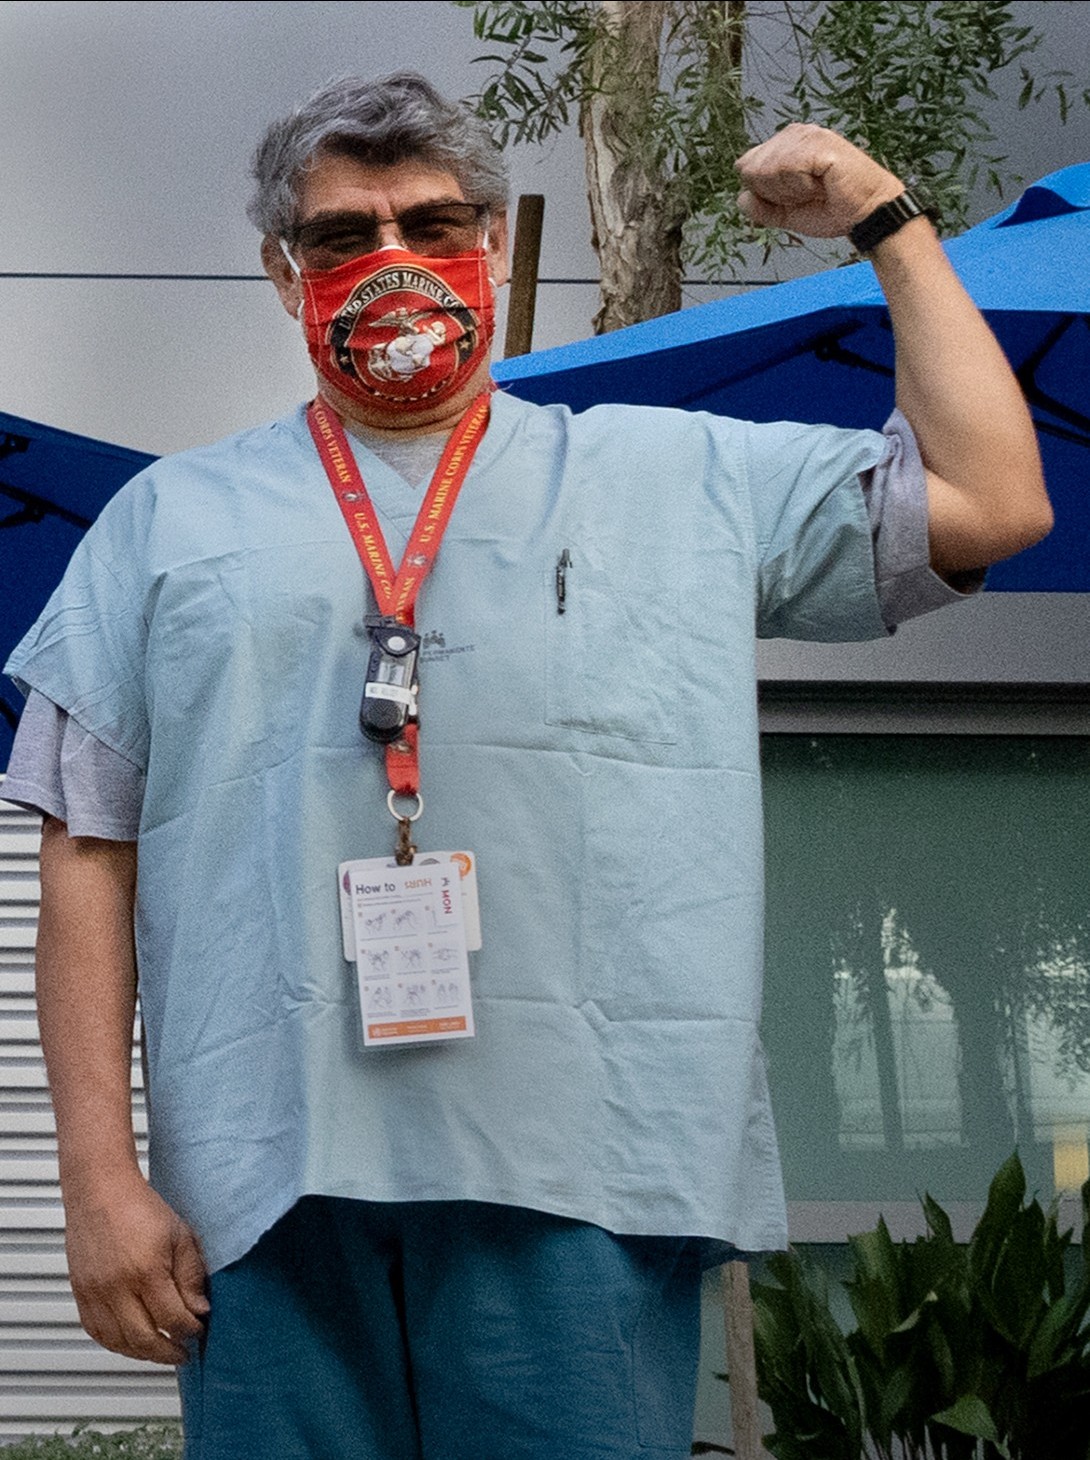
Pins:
x: 405, y: 815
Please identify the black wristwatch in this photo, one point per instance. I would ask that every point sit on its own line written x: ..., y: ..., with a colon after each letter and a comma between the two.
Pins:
x: 870, y: 231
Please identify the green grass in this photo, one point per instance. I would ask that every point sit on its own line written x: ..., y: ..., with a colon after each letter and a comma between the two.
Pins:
x: 149, y: 1442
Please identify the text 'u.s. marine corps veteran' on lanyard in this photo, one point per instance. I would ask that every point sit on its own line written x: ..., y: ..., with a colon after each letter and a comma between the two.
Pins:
x: 407, y: 923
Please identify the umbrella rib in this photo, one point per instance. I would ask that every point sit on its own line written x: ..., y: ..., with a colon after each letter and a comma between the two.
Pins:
x: 1037, y: 396
x: 1062, y: 433
x: 827, y: 339
x: 12, y: 444
x: 831, y: 349
x: 35, y: 508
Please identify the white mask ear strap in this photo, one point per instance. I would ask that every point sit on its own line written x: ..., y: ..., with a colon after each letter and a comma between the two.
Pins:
x: 295, y: 270
x: 486, y: 244
x: 291, y: 262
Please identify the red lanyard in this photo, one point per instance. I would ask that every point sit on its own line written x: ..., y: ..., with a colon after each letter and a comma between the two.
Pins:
x: 396, y: 593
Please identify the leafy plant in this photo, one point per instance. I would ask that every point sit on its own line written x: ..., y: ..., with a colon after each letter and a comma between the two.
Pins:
x: 978, y: 1352
x: 907, y: 82
x: 668, y: 93
x: 148, y: 1442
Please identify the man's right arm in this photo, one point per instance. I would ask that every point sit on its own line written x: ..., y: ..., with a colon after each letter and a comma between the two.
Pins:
x: 136, y: 1268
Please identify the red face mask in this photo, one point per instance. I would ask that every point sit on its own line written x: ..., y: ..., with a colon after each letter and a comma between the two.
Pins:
x: 394, y: 330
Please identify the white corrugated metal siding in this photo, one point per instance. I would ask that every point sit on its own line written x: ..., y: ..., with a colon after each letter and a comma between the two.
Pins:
x: 51, y: 1374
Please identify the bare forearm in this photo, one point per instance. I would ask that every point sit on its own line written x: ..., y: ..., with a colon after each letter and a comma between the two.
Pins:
x: 136, y: 1268
x: 986, y: 496
x: 86, y: 986
x: 986, y: 491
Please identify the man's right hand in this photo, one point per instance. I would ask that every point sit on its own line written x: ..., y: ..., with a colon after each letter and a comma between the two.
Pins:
x: 137, y: 1272
x: 136, y: 1268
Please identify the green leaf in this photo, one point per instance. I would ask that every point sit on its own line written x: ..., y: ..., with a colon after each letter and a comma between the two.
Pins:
x: 805, y: 1371
x: 943, y: 1355
x: 876, y: 1288
x: 971, y: 1416
x: 1054, y: 1341
x: 937, y: 1220
x: 896, y: 1393
x: 913, y: 1319
x: 1005, y: 1196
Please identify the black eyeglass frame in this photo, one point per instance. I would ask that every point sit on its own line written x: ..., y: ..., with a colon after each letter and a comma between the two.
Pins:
x: 365, y: 229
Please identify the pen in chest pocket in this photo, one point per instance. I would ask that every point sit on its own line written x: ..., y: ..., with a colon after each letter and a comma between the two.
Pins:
x: 563, y: 563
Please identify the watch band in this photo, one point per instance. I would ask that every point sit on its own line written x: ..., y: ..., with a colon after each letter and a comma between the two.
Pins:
x: 870, y: 231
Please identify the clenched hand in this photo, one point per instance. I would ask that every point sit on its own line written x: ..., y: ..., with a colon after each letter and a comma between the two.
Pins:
x: 809, y: 180
x: 137, y: 1273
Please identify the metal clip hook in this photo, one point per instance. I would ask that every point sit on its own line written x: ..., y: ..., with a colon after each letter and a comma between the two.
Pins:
x: 405, y: 851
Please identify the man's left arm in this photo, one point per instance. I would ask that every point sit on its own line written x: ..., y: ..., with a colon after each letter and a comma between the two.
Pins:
x: 986, y: 492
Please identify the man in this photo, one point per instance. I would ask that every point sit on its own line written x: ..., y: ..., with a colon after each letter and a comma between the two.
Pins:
x: 482, y: 1246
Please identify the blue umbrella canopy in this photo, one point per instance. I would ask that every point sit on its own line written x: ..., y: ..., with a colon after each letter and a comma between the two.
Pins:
x: 821, y: 349
x: 53, y: 484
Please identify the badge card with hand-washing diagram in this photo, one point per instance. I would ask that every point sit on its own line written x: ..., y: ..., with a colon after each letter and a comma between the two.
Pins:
x: 465, y: 864
x: 410, y: 946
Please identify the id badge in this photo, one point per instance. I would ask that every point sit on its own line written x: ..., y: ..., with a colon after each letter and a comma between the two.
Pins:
x: 465, y: 862
x: 409, y: 946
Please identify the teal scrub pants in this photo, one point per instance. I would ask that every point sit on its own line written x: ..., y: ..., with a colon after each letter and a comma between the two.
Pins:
x: 446, y: 1331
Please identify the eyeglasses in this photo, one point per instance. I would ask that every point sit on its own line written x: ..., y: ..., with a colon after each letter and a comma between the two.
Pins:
x: 436, y: 230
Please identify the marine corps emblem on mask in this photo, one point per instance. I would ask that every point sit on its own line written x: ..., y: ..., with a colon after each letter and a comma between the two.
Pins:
x: 393, y: 329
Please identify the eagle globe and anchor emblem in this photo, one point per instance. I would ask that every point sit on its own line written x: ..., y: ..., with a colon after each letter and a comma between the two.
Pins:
x: 430, y: 329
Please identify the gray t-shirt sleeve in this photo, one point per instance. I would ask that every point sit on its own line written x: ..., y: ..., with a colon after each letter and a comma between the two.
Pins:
x: 896, y: 495
x: 61, y: 770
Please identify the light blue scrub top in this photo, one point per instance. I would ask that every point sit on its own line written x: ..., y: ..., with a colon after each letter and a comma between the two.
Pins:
x: 602, y: 763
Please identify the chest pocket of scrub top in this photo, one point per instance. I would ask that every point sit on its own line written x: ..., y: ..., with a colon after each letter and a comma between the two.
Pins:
x: 611, y: 661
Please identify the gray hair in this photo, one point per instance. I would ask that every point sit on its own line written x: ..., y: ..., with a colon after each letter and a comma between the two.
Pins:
x: 399, y: 118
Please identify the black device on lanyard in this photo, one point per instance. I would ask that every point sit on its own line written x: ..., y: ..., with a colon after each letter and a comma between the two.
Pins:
x: 390, y: 690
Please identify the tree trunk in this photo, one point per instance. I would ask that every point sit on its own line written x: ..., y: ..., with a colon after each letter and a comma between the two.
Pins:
x: 636, y: 229
x: 745, y: 1418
